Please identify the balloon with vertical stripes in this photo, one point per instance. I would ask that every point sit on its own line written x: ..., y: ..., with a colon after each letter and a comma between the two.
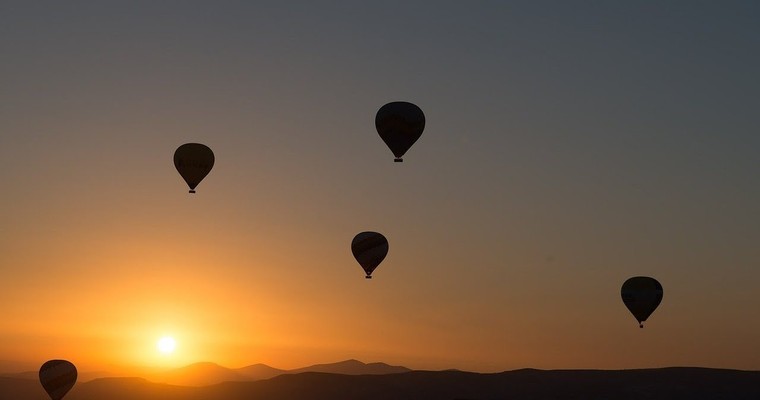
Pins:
x: 369, y: 249
x: 58, y: 377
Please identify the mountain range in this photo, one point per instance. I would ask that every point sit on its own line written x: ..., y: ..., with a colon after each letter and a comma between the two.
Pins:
x: 207, y: 373
x: 355, y: 380
x: 204, y: 374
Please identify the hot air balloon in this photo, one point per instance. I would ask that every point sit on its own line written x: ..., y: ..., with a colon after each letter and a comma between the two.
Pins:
x: 642, y: 295
x: 58, y: 377
x: 370, y: 249
x: 399, y: 124
x: 193, y: 161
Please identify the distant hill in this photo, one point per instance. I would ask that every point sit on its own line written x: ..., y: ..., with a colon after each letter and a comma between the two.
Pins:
x: 199, y: 374
x: 33, y: 375
x: 205, y: 374
x: 259, y: 371
x: 85, y: 376
x: 352, y: 367
x: 643, y: 384
x: 15, y: 366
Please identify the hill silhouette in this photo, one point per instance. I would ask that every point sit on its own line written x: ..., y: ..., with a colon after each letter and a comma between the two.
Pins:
x: 205, y: 373
x: 83, y: 376
x: 647, y: 384
x: 198, y: 374
x: 208, y: 373
x: 353, y: 367
x: 257, y: 372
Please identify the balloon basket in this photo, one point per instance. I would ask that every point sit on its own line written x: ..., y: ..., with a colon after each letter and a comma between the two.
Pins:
x: 398, y: 159
x: 191, y: 191
x: 367, y: 277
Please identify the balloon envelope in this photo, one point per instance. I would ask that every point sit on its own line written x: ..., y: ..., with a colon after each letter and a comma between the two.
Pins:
x: 399, y: 124
x: 58, y: 377
x: 193, y: 161
x: 369, y: 249
x: 642, y: 295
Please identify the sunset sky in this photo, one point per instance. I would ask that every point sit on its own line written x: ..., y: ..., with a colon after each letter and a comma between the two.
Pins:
x: 568, y: 147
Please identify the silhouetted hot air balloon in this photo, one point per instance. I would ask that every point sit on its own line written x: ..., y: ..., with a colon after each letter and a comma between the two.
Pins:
x: 193, y: 161
x: 370, y: 249
x: 642, y: 295
x: 58, y: 377
x: 399, y: 124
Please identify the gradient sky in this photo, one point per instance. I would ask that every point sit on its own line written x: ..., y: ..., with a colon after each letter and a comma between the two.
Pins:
x: 568, y: 147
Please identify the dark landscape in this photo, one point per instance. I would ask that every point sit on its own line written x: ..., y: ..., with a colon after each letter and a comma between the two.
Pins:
x: 355, y: 380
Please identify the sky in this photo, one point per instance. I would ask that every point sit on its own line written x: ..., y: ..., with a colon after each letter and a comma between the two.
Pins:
x: 568, y: 146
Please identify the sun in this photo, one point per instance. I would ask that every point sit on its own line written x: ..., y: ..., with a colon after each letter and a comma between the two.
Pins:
x: 166, y: 345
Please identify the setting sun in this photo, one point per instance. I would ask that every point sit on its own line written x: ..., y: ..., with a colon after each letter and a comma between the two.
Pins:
x: 166, y: 345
